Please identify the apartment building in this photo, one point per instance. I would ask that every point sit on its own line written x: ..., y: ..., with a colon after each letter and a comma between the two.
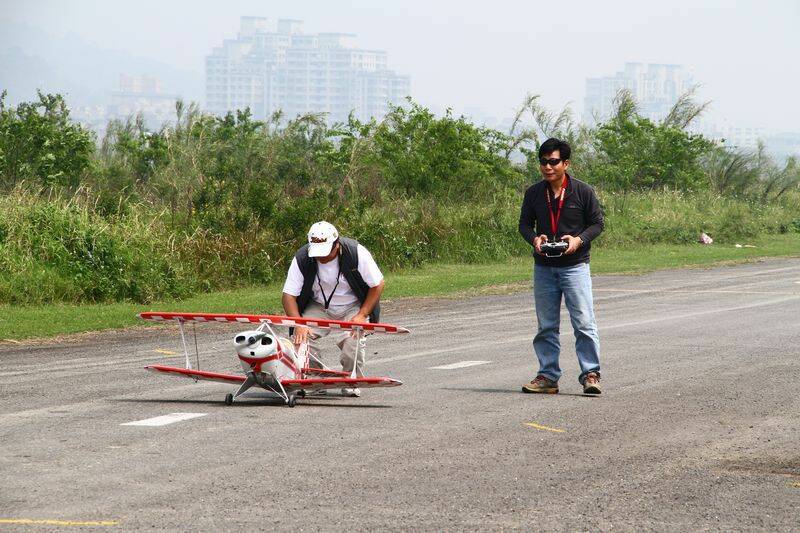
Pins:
x: 656, y: 89
x: 273, y: 66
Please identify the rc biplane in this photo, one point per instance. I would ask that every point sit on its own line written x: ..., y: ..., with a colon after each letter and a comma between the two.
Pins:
x: 273, y: 362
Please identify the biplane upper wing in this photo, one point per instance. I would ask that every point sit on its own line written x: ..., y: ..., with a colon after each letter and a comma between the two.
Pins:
x: 195, y: 374
x: 339, y: 382
x: 275, y: 320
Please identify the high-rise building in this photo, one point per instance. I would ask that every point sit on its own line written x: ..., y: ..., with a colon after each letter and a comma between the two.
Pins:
x: 784, y: 145
x: 273, y: 65
x: 139, y: 84
x: 731, y: 135
x: 137, y: 95
x: 142, y: 95
x: 656, y: 88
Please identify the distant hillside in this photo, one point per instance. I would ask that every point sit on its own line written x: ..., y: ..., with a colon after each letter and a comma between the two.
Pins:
x: 31, y: 59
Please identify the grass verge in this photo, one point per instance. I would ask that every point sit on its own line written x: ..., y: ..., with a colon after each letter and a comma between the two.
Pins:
x: 25, y: 322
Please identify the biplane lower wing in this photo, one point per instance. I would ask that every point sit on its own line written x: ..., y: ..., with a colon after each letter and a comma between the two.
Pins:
x: 315, y: 383
x: 196, y: 374
x: 336, y: 383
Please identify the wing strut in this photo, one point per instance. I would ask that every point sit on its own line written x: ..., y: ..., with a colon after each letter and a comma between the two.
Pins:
x: 249, y: 382
x: 196, y: 350
x: 185, y: 346
x: 359, y: 334
x: 311, y: 356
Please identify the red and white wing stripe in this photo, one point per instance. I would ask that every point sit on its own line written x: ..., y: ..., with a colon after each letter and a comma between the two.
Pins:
x: 336, y: 383
x: 195, y: 374
x: 275, y: 320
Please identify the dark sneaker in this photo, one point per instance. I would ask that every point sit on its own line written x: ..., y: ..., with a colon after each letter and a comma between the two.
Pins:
x: 591, y: 384
x: 541, y: 385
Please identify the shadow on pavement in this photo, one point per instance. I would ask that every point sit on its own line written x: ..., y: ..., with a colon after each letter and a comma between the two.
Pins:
x: 254, y: 402
x: 248, y: 401
x: 475, y: 389
x: 347, y: 405
x: 515, y: 391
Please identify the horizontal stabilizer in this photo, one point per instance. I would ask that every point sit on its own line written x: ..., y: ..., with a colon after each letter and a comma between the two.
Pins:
x: 337, y: 383
x: 195, y: 374
x: 275, y: 320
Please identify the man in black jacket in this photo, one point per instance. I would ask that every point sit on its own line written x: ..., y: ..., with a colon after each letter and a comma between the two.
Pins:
x: 562, y: 208
x: 335, y: 278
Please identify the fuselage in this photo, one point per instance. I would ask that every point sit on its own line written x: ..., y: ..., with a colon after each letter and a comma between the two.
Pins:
x: 267, y: 356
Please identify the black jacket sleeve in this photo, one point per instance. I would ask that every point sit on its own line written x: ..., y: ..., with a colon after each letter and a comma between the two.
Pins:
x: 527, y: 217
x: 594, y: 217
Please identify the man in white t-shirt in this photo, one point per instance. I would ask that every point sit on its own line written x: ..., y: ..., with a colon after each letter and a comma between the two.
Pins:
x: 336, y: 278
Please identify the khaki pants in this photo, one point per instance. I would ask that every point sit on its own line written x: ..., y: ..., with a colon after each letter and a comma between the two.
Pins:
x: 351, y: 350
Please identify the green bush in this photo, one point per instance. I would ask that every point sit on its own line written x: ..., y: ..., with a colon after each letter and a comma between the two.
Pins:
x: 634, y: 153
x: 676, y: 217
x: 56, y: 250
x: 41, y: 146
x: 209, y: 203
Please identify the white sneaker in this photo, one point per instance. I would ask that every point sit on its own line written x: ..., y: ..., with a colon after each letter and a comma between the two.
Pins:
x: 353, y: 393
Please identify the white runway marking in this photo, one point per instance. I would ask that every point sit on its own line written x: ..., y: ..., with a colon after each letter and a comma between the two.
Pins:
x: 164, y: 420
x: 694, y: 291
x: 3, y: 374
x: 461, y: 364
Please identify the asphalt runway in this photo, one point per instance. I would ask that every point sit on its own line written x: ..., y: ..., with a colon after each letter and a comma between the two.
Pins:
x: 698, y: 426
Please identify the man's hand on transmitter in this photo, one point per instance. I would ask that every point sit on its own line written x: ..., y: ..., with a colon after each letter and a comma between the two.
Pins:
x: 538, y: 242
x: 574, y: 243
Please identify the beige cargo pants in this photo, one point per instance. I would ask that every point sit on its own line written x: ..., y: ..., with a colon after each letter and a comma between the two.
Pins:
x: 351, y: 350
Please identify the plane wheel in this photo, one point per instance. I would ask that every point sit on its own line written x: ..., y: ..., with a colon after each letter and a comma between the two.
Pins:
x: 228, y: 399
x: 292, y: 401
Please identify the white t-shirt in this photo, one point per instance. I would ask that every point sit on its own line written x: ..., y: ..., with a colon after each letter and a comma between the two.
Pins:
x: 343, y: 296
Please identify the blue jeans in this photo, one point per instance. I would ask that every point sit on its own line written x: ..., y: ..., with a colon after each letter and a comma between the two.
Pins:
x: 575, y: 283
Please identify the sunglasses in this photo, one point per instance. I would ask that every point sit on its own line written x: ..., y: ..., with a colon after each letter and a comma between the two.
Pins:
x: 553, y: 161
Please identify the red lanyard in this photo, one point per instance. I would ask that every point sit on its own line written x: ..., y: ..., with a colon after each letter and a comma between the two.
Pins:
x: 554, y: 218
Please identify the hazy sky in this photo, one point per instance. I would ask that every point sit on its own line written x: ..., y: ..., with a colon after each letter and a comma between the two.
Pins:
x: 487, y: 54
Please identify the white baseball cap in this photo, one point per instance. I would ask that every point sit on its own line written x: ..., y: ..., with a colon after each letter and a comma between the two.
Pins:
x: 321, y: 237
